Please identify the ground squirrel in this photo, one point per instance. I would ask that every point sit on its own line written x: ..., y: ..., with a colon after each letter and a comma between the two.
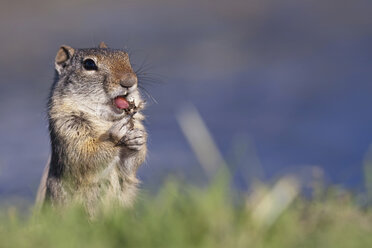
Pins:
x: 97, y: 137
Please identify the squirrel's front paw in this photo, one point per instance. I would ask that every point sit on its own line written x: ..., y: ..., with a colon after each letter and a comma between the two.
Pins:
x: 135, y: 139
x: 119, y: 130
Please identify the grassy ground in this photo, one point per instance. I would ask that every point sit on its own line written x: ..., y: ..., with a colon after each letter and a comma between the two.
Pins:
x: 185, y: 216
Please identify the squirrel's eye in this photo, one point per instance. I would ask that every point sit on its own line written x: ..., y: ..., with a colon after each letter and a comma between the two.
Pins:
x: 89, y: 65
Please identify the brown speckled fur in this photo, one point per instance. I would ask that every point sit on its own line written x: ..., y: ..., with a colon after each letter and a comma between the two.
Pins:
x: 96, y: 148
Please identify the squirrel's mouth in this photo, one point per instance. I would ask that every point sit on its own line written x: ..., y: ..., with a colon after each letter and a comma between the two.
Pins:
x: 121, y: 102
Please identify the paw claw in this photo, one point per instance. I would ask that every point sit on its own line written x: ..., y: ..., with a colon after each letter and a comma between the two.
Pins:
x: 134, y: 139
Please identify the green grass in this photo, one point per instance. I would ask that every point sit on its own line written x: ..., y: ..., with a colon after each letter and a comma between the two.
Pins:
x: 187, y: 216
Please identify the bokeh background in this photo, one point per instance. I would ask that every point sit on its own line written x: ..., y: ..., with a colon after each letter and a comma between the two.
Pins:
x: 283, y: 86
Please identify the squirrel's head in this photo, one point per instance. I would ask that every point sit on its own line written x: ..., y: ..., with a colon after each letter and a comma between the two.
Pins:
x: 95, y: 78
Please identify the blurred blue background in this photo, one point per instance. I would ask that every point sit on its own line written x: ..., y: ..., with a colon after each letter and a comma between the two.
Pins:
x: 284, y: 86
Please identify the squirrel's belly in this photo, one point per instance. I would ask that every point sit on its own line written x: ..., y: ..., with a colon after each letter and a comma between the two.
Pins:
x: 106, y: 188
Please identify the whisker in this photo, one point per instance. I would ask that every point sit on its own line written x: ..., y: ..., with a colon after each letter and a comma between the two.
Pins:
x: 147, y: 78
x: 148, y: 94
x: 152, y: 75
x: 143, y: 66
x: 154, y: 79
x: 148, y: 81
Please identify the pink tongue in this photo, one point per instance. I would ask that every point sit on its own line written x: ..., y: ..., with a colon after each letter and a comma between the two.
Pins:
x: 121, y: 102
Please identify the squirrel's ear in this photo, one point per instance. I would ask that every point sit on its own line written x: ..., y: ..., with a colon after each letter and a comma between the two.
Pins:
x: 63, y: 57
x: 102, y: 45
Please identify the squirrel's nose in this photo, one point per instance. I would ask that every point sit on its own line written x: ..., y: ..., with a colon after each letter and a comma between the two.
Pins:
x: 128, y: 80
